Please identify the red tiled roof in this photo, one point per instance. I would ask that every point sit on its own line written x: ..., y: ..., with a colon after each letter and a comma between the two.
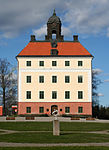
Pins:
x: 44, y: 49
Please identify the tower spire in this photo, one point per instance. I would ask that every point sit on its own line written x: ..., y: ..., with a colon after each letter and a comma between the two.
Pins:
x: 54, y: 13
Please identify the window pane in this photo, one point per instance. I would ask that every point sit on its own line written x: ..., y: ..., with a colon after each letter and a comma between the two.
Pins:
x: 54, y: 63
x: 28, y: 63
x: 67, y: 63
x: 41, y: 109
x: 54, y: 94
x: 41, y: 79
x: 80, y: 109
x: 80, y: 79
x: 41, y: 94
x: 28, y: 109
x: 41, y: 63
x: 80, y: 94
x: 80, y: 63
x: 67, y: 79
x: 28, y: 79
x: 67, y: 109
x: 67, y: 94
x: 28, y: 94
x: 54, y: 79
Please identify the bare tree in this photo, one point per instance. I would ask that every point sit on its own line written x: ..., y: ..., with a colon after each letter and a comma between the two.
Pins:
x: 8, y: 84
x: 95, y: 97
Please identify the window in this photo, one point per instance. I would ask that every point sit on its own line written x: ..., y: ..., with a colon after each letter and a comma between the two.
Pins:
x: 54, y: 79
x: 80, y: 94
x: 80, y: 109
x: 67, y: 79
x: 54, y: 63
x: 28, y: 94
x: 28, y: 109
x: 54, y: 94
x: 41, y: 94
x: 80, y: 63
x: 67, y: 94
x: 67, y: 63
x: 41, y: 79
x: 67, y: 109
x: 28, y: 63
x: 28, y: 79
x: 41, y: 63
x: 80, y: 79
x: 41, y: 109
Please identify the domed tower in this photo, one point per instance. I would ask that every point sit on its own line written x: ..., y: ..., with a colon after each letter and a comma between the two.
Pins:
x: 54, y: 28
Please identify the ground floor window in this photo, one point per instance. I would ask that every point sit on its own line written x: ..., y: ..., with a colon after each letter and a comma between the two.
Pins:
x: 80, y: 109
x: 41, y: 109
x: 67, y: 109
x: 28, y: 109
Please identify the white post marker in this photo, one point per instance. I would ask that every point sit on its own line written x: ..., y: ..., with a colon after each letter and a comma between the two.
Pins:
x: 56, y: 124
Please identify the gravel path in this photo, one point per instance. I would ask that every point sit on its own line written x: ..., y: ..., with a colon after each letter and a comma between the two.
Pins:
x: 5, y: 144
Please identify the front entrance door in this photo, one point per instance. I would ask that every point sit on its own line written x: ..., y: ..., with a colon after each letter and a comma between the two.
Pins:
x: 54, y: 107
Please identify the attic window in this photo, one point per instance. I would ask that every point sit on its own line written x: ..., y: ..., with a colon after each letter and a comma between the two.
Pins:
x: 54, y: 52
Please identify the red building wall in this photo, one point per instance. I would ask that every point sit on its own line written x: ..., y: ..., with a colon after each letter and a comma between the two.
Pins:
x: 1, y: 110
x: 87, y: 107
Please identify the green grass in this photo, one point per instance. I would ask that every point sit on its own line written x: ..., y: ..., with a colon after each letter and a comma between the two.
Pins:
x: 47, y: 126
x: 49, y: 138
x: 55, y: 148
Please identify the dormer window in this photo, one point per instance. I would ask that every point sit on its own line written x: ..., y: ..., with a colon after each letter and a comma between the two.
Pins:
x: 54, y: 52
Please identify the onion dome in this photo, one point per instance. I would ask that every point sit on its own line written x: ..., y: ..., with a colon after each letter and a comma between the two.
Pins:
x: 54, y: 18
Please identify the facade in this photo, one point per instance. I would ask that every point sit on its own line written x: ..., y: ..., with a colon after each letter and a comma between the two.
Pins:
x: 54, y: 74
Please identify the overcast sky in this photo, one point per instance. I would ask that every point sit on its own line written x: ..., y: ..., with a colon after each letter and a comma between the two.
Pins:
x: 87, y: 18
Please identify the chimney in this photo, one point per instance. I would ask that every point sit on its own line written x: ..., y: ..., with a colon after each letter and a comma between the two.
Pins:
x: 75, y: 38
x: 33, y: 39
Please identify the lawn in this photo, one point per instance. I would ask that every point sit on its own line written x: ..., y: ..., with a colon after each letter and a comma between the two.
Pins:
x: 47, y: 126
x: 73, y: 136
x: 49, y: 138
x: 56, y: 148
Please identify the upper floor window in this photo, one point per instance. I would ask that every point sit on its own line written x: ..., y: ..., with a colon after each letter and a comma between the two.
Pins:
x: 28, y: 94
x: 41, y: 63
x: 54, y: 94
x: 41, y: 79
x: 54, y: 63
x: 67, y: 79
x: 41, y: 94
x: 80, y: 79
x: 67, y: 94
x: 28, y: 63
x: 80, y: 63
x: 54, y: 79
x: 67, y: 63
x: 80, y: 94
x: 28, y: 79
